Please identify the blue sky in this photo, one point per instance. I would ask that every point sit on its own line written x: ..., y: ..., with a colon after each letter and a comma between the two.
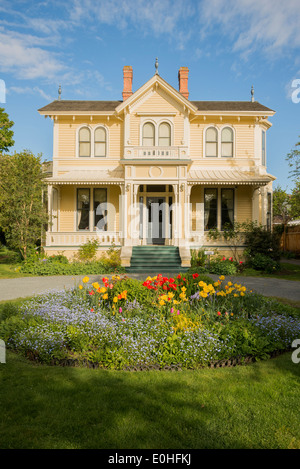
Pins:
x: 228, y: 45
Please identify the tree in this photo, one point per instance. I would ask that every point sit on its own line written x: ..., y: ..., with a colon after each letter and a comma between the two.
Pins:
x: 281, y: 204
x: 6, y: 135
x: 22, y: 211
x: 295, y: 200
x: 293, y: 159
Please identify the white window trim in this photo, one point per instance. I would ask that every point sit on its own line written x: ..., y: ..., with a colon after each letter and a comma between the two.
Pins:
x: 219, y: 143
x: 92, y: 130
x: 156, y: 122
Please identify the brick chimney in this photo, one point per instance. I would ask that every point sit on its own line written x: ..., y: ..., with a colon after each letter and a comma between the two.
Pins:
x: 183, y: 75
x: 127, y: 82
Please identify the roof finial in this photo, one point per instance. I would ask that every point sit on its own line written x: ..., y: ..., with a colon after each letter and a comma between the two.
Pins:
x: 252, y: 94
x: 156, y: 66
x: 59, y: 93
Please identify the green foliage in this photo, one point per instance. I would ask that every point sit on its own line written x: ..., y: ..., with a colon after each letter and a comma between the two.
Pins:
x: 222, y: 267
x: 87, y: 251
x: 261, y: 241
x: 262, y: 262
x: 112, y: 259
x: 45, y: 267
x: 6, y: 134
x: 22, y: 211
x: 198, y: 258
x: 293, y: 159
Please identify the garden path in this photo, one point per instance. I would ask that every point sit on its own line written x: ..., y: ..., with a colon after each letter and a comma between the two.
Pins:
x: 28, y: 286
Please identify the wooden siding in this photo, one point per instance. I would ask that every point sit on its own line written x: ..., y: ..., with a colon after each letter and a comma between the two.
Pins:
x: 67, y: 209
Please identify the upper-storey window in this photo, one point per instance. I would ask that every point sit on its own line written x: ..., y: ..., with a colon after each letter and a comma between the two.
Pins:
x: 148, y: 135
x: 219, y: 142
x: 263, y: 148
x: 211, y: 142
x: 227, y: 142
x: 84, y: 142
x: 164, y: 135
x: 100, y: 141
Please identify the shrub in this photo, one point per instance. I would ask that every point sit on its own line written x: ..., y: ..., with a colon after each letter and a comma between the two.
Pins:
x: 262, y: 262
x: 261, y: 241
x: 87, y: 251
x: 223, y: 267
x: 198, y: 258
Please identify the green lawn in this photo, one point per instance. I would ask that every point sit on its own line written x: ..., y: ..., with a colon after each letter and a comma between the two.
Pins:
x: 254, y: 406
x: 287, y: 272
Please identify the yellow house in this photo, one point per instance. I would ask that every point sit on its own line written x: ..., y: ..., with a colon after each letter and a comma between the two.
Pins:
x: 155, y: 169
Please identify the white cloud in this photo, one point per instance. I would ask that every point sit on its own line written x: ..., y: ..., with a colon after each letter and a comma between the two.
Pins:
x: 271, y: 26
x: 20, y: 54
x: 28, y: 90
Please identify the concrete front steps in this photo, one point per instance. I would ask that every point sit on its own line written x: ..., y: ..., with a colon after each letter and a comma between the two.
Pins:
x: 155, y: 260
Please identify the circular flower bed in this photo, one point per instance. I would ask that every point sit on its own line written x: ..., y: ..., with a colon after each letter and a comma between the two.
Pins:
x: 162, y: 323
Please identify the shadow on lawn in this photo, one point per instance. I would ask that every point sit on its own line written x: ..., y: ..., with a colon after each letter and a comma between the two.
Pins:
x: 61, y: 407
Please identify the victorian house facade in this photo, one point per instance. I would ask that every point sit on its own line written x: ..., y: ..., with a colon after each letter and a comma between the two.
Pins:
x: 155, y: 169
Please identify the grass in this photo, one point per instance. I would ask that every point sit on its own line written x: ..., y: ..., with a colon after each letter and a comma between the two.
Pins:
x: 287, y: 272
x: 254, y: 406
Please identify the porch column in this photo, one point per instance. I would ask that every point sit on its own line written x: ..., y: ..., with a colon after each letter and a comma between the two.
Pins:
x: 255, y: 204
x: 145, y: 219
x: 176, y: 216
x: 49, y: 203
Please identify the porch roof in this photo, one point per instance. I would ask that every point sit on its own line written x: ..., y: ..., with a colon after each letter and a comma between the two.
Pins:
x: 115, y: 176
x: 227, y: 177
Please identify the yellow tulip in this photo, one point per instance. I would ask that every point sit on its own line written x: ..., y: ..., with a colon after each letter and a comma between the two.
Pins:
x: 85, y: 279
x: 80, y: 287
x: 105, y: 296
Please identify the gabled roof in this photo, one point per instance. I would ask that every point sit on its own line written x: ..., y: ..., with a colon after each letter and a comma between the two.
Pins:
x: 79, y: 106
x: 68, y: 107
x: 231, y: 106
x: 157, y: 81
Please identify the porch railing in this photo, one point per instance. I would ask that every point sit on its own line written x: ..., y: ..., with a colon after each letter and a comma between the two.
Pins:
x: 63, y: 239
x: 179, y: 152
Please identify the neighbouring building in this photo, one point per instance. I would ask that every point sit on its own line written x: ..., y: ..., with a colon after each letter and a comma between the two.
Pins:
x: 155, y: 169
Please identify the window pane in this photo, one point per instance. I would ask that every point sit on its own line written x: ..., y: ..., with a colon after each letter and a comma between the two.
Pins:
x: 263, y: 149
x: 84, y: 149
x: 100, y: 149
x: 227, y: 207
x: 227, y: 149
x: 211, y: 149
x: 164, y: 135
x: 148, y: 135
x: 227, y: 135
x: 83, y: 209
x: 100, y: 209
x: 100, y: 135
x: 211, y: 135
x: 210, y: 209
x: 84, y: 142
x: 84, y: 134
x: 211, y: 142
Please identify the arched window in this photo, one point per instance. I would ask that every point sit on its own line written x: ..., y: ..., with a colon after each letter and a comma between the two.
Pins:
x: 227, y: 142
x: 164, y: 135
x: 148, y: 135
x: 211, y: 142
x: 84, y: 142
x: 100, y: 142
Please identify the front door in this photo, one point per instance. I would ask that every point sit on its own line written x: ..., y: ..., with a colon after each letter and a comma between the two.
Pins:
x: 156, y: 208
